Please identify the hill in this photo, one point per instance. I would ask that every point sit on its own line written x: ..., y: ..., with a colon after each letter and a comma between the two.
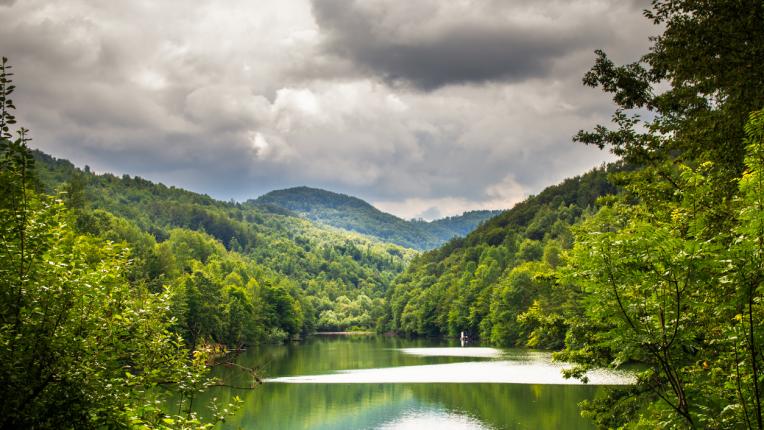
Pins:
x: 351, y: 213
x: 326, y: 269
x: 479, y: 284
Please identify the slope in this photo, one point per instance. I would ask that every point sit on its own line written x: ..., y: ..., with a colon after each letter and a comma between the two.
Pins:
x: 481, y: 283
x: 329, y: 267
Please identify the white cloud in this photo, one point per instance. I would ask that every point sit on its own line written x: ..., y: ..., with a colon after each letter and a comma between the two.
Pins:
x: 500, y: 196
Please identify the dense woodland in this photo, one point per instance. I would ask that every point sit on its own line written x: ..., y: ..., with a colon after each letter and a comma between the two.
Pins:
x: 350, y: 213
x: 336, y: 279
x: 117, y: 291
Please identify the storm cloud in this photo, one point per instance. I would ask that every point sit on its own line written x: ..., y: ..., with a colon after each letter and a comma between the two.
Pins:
x: 423, y: 108
x: 431, y: 44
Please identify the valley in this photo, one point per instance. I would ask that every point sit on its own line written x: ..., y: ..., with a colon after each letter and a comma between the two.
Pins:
x: 620, y: 285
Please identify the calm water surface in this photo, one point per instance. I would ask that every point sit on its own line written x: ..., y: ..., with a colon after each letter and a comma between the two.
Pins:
x: 372, y: 382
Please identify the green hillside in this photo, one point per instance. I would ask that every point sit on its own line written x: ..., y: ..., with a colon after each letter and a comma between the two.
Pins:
x: 479, y: 283
x: 327, y: 268
x: 351, y: 213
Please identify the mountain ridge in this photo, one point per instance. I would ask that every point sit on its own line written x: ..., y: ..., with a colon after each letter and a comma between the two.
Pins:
x: 354, y: 214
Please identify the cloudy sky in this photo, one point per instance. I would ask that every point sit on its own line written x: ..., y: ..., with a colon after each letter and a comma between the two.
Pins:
x: 424, y: 108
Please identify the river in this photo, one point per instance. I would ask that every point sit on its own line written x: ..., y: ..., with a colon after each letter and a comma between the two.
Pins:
x: 376, y: 382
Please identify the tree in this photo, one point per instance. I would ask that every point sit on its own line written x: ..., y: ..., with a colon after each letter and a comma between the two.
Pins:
x: 667, y: 290
x: 281, y: 309
x: 647, y: 281
x: 241, y: 320
x: 80, y: 346
x: 709, y: 54
x: 670, y: 270
x: 745, y: 267
x: 203, y: 309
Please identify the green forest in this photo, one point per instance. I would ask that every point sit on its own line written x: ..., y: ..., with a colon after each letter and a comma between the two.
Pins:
x: 118, y: 294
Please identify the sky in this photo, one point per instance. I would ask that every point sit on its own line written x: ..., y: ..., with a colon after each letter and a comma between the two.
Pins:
x: 423, y: 108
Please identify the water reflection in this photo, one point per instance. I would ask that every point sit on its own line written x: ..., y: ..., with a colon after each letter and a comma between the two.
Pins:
x: 375, y: 406
x: 340, y: 406
x: 417, y: 420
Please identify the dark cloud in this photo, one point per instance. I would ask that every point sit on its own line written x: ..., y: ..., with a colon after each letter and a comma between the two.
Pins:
x: 238, y: 100
x: 490, y: 45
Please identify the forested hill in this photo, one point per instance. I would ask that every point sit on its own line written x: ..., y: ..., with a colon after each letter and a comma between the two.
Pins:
x: 339, y: 278
x: 354, y: 214
x: 480, y: 283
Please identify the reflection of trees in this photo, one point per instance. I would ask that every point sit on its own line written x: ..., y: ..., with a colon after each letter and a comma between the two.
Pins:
x: 512, y: 405
x: 318, y: 406
x: 358, y: 406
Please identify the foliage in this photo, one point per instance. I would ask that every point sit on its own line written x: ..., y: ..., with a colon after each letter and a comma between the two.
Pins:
x: 699, y: 81
x: 82, y: 346
x: 670, y: 273
x: 673, y: 293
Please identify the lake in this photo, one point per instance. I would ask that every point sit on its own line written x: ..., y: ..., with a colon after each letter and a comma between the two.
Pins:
x: 376, y: 382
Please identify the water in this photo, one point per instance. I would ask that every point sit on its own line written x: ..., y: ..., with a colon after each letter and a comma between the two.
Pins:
x: 371, y: 382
